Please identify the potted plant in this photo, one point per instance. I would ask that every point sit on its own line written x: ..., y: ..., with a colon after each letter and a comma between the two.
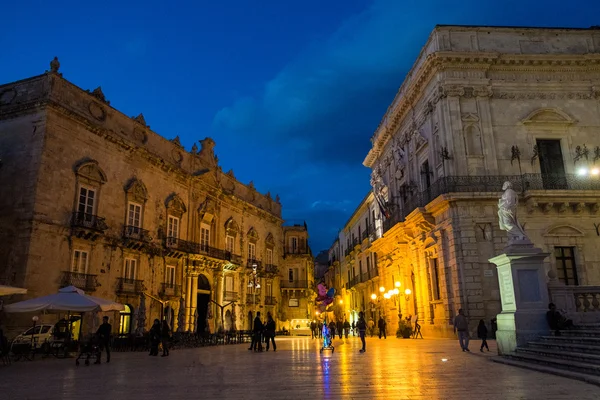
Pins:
x: 404, y: 329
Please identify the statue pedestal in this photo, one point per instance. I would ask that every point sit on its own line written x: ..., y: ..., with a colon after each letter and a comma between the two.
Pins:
x: 524, y: 295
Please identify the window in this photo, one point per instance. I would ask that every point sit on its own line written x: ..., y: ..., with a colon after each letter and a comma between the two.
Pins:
x: 426, y: 173
x: 173, y: 227
x: 134, y: 215
x: 87, y: 198
x: 359, y: 233
x: 125, y: 320
x: 170, y: 275
x: 269, y: 257
x: 294, y: 244
x: 80, y: 262
x: 229, y: 243
x: 294, y: 303
x: 437, y: 290
x: 130, y: 269
x: 360, y: 270
x: 291, y: 275
x: 368, y: 262
x: 269, y: 289
x: 251, y: 251
x: 204, y: 237
x: 565, y: 265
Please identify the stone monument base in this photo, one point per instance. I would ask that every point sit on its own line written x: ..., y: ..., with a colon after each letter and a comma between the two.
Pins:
x: 524, y: 294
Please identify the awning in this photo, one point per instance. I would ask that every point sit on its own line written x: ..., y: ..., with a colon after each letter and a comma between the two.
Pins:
x: 8, y: 290
x: 67, y: 299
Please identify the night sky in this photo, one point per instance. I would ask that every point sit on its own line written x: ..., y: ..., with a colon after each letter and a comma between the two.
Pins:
x: 290, y: 91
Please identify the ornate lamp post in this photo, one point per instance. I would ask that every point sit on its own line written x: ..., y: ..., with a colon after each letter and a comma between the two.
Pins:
x: 254, y: 283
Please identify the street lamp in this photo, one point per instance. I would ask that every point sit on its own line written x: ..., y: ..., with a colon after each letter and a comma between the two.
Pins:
x: 35, y: 319
x: 254, y: 282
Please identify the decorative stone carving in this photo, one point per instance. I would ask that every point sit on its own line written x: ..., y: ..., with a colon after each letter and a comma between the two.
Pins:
x: 194, y: 148
x: 176, y: 141
x: 136, y: 190
x: 97, y: 93
x: 482, y: 91
x: 231, y: 227
x: 595, y: 207
x: 252, y: 235
x: 140, y: 118
x: 177, y: 157
x: 547, y: 207
x: 54, y: 65
x: 531, y: 205
x: 453, y: 90
x: 563, y: 207
x: 277, y: 199
x: 175, y: 205
x: 507, y: 215
x: 579, y: 208
x: 140, y: 135
x: 207, y: 210
x: 89, y: 171
x: 269, y: 240
x: 7, y: 96
x: 96, y: 111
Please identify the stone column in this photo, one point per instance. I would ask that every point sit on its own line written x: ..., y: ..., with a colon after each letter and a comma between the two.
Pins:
x: 193, y: 301
x: 219, y: 283
x: 524, y: 295
x: 188, y: 303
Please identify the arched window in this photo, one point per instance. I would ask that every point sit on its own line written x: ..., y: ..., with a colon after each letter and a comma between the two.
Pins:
x: 125, y: 321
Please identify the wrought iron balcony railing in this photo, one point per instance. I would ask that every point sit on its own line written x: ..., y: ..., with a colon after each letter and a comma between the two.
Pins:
x: 88, y: 221
x: 252, y: 299
x: 129, y: 286
x: 170, y: 290
x: 297, y: 250
x: 85, y: 282
x: 188, y: 247
x: 136, y: 233
x: 489, y: 183
x: 354, y: 281
x: 271, y: 269
x: 365, y: 276
x: 230, y: 296
x: 298, y: 284
x: 270, y: 300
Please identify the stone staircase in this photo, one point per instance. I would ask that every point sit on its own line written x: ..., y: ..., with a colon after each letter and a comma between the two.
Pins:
x: 574, y: 354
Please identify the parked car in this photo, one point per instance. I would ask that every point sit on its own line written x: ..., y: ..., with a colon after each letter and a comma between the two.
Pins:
x: 43, y: 335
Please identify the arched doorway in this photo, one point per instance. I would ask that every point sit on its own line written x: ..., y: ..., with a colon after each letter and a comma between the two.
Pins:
x: 203, y: 301
x: 125, y: 320
x: 250, y: 319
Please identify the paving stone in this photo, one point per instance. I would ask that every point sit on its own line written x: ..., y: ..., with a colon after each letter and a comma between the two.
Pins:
x: 390, y: 369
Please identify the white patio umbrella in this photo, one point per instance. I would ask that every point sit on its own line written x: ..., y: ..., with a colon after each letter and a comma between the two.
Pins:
x: 8, y: 290
x: 69, y: 298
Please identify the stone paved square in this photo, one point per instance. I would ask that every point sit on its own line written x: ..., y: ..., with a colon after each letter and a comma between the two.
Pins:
x: 390, y: 369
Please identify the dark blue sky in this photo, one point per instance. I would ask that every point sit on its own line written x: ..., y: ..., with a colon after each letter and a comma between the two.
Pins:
x: 290, y: 91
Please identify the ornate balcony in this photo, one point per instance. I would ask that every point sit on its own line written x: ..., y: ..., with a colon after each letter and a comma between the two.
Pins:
x: 178, y: 248
x: 286, y: 284
x: 170, y: 290
x: 85, y: 282
x: 300, y: 250
x: 230, y: 296
x: 130, y: 286
x: 87, y: 226
x: 135, y: 237
x: 271, y: 269
x: 490, y: 183
x: 252, y: 299
x: 270, y: 300
x: 353, y: 282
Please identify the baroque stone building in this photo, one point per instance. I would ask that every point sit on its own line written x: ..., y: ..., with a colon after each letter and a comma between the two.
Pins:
x: 95, y: 199
x: 481, y: 106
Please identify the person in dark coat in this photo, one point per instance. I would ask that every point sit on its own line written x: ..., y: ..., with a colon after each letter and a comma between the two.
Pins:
x: 346, y: 327
x: 361, y: 325
x: 270, y: 331
x: 332, y: 329
x: 165, y: 336
x: 103, y: 333
x: 339, y: 327
x: 155, y: 335
x: 381, y: 324
x: 482, y: 334
x: 556, y: 320
x: 320, y: 329
x: 353, y: 328
x: 257, y: 333
x: 313, y: 329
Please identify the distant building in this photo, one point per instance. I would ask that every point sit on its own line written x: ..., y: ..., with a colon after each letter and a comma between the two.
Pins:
x: 93, y: 198
x: 297, y: 281
x: 321, y: 265
x: 482, y: 106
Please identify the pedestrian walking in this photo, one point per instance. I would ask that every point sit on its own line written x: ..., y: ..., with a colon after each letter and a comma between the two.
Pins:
x: 155, y: 335
x: 462, y: 326
x: 353, y: 328
x: 165, y: 336
x: 482, y: 334
x: 346, y: 327
x: 332, y: 329
x: 270, y: 331
x: 313, y: 329
x: 371, y: 326
x: 103, y: 333
x: 361, y: 325
x: 257, y: 333
x: 320, y: 326
x: 339, y: 326
x: 381, y: 324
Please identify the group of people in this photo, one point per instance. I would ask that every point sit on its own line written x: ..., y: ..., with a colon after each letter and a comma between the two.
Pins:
x: 263, y: 332
x: 343, y: 329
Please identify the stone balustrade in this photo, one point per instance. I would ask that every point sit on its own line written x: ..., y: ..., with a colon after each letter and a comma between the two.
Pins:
x: 580, y: 303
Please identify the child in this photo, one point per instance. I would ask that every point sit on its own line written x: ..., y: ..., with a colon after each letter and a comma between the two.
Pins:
x: 482, y: 334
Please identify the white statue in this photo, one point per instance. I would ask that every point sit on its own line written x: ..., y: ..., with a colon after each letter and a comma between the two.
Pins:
x: 507, y: 213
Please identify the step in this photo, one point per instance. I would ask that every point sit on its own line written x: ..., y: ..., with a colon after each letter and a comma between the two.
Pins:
x: 572, y: 339
x: 581, y: 332
x: 578, y: 366
x: 570, y: 347
x: 561, y: 354
x: 548, y: 370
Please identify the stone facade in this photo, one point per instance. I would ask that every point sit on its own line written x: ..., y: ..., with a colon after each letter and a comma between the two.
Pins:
x: 482, y: 106
x: 297, y: 279
x: 354, y: 270
x: 95, y: 199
